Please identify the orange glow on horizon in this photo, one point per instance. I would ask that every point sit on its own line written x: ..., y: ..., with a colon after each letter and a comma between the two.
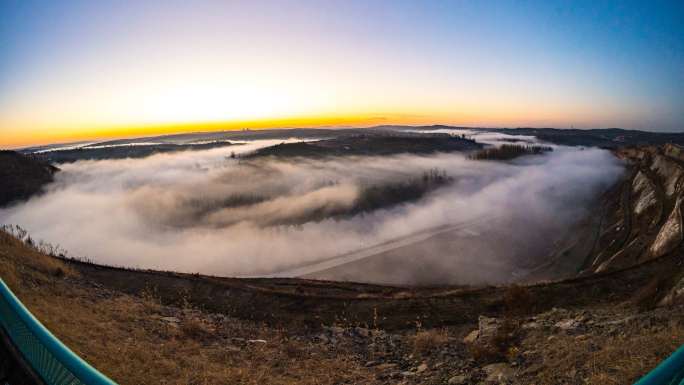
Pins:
x: 476, y: 117
x: 56, y: 135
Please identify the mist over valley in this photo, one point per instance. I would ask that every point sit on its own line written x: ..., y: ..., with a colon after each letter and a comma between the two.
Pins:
x: 246, y: 210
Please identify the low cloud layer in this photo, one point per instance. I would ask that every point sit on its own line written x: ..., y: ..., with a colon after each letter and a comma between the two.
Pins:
x: 206, y: 212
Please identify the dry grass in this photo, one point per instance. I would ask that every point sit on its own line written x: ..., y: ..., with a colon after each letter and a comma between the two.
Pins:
x: 501, y: 345
x: 427, y: 341
x: 196, y: 329
x: 605, y: 360
x: 125, y: 337
x: 23, y: 266
x: 623, y: 359
x: 518, y: 301
x: 647, y: 296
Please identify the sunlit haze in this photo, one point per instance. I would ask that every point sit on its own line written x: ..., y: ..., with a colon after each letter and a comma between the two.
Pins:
x: 73, y: 70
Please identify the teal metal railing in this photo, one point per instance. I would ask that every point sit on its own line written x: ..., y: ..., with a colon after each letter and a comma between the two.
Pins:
x: 49, y: 358
x: 669, y: 372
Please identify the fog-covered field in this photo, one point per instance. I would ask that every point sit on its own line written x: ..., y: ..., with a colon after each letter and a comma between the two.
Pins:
x: 212, y: 212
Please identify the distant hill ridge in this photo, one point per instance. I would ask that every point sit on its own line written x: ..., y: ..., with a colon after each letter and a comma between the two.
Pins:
x: 22, y: 176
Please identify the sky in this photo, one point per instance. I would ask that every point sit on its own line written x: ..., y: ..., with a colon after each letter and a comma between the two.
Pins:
x: 73, y: 70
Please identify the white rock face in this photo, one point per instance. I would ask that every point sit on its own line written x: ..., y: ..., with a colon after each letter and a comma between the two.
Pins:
x: 675, y: 296
x: 645, y: 193
x: 670, y: 235
x: 488, y: 327
x: 674, y: 151
x: 670, y: 172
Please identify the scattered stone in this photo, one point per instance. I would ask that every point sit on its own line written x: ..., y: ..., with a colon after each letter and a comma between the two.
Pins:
x: 256, y: 342
x: 488, y: 327
x: 361, y: 332
x: 471, y: 337
x: 386, y: 366
x: 499, y: 373
x: 323, y: 338
x: 422, y: 367
x: 170, y: 319
x: 569, y: 325
x: 458, y: 380
x: 334, y: 330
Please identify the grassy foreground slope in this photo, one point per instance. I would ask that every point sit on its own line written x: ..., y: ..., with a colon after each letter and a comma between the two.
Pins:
x: 128, y: 338
x: 165, y: 333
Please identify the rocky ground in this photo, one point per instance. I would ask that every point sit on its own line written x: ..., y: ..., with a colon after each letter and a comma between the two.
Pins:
x: 589, y: 346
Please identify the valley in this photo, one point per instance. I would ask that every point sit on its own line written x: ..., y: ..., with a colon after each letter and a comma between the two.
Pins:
x: 609, y: 285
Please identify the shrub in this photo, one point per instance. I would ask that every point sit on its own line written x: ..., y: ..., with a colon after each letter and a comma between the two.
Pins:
x: 426, y: 341
x: 195, y: 329
x: 517, y: 301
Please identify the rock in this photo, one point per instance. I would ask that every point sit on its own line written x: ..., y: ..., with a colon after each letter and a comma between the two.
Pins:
x: 257, y: 342
x: 170, y: 319
x: 386, y: 366
x: 323, y: 338
x: 333, y: 331
x: 531, y: 325
x: 670, y: 235
x: 499, y: 373
x: 407, y: 373
x: 458, y: 380
x: 488, y: 327
x: 361, y: 332
x: 569, y: 325
x: 471, y: 337
x: 675, y: 295
x: 554, y: 313
x: 422, y: 367
x: 645, y: 193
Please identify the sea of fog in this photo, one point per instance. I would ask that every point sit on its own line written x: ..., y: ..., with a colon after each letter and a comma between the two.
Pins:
x: 169, y: 211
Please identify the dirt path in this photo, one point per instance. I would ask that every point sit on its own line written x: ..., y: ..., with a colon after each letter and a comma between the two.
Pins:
x: 459, y: 229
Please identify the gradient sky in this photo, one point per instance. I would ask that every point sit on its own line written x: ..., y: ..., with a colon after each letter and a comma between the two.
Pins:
x: 80, y: 69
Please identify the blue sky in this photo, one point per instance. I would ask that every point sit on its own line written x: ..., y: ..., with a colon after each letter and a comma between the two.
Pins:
x: 73, y: 69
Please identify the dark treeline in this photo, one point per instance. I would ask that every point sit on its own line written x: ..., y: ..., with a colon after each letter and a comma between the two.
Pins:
x: 371, y: 197
x: 509, y: 151
x: 379, y: 196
